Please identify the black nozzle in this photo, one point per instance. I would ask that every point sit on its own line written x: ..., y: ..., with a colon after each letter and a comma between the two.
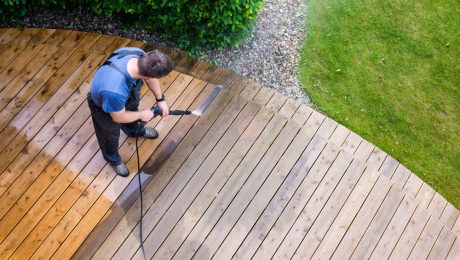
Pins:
x: 158, y: 112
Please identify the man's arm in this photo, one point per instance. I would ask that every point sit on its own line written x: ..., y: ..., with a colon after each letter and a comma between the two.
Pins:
x: 154, y: 86
x: 124, y: 116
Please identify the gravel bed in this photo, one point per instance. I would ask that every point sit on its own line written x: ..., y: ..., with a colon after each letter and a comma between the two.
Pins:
x: 270, y: 55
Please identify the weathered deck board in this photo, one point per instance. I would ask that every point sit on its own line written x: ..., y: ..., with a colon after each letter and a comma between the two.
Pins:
x: 258, y: 175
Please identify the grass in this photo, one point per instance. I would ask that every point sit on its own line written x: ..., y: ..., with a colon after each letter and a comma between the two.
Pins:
x: 390, y: 71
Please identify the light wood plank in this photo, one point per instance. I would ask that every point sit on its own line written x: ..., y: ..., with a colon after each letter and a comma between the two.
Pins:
x: 376, y: 158
x: 443, y: 244
x: 411, y: 233
x: 394, y: 230
x: 437, y: 205
x: 425, y: 195
x: 316, y: 233
x: 426, y: 240
x: 363, y: 219
x: 352, y: 143
x: 276, y: 102
x: 346, y: 215
x: 364, y: 153
x: 295, y: 205
x: 388, y: 167
x: 230, y: 189
x: 216, y: 182
x: 454, y: 252
x: 378, y: 225
x: 401, y: 176
x: 200, y: 178
x: 449, y: 216
x: 314, y: 206
x: 413, y: 185
x: 263, y: 96
x: 273, y: 182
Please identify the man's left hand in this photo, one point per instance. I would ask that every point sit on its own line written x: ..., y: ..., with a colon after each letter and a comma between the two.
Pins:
x: 164, y: 107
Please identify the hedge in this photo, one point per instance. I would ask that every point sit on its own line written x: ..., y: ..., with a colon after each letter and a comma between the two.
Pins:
x: 193, y: 24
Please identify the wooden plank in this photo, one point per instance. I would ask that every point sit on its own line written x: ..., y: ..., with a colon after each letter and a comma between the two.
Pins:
x: 425, y: 195
x: 10, y: 35
x: 47, y: 112
x: 247, y: 192
x: 130, y: 194
x: 231, y: 187
x: 34, y: 84
x: 313, y: 207
x: 388, y: 167
x: 322, y: 223
x: 410, y: 235
x: 105, y: 188
x: 437, y: 205
x: 13, y: 48
x: 77, y: 184
x: 267, y: 191
x: 58, y: 178
x: 413, y: 185
x: 340, y: 136
x: 426, y: 240
x: 394, y: 230
x: 192, y: 66
x: 285, y: 191
x: 264, y: 95
x: 27, y: 61
x: 348, y: 212
x: 289, y: 108
x: 364, y: 217
x: 302, y: 114
x: 301, y: 196
x: 362, y: 154
x: 47, y: 156
x: 378, y: 225
x: 449, y: 216
x: 60, y: 77
x: 376, y: 158
x: 276, y: 102
x: 212, y: 187
x: 443, y: 244
x: 170, y: 216
x: 28, y: 73
x: 352, y: 143
x: 400, y: 176
x: 456, y: 228
x: 454, y: 252
x: 225, y: 78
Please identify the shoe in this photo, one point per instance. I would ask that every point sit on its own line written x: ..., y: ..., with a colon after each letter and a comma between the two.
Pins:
x: 150, y: 133
x: 121, y: 169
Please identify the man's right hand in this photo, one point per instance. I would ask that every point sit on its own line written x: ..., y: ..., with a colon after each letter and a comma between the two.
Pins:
x: 146, y: 115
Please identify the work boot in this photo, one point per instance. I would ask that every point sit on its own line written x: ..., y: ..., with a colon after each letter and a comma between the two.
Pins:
x: 121, y: 169
x: 150, y: 133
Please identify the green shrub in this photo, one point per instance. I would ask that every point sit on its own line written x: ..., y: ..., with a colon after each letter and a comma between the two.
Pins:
x: 192, y: 24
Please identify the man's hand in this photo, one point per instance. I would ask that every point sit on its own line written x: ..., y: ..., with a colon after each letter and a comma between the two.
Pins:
x: 146, y: 115
x: 164, y: 107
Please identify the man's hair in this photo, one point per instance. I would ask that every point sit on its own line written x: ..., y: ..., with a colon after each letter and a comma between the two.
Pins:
x: 155, y: 64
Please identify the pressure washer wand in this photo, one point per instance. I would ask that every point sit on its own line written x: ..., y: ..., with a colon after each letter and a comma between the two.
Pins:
x: 158, y: 112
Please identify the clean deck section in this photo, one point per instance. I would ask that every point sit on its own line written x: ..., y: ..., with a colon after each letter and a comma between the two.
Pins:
x: 258, y: 175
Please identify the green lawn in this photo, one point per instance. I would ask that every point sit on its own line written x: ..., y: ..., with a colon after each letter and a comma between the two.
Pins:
x: 390, y: 71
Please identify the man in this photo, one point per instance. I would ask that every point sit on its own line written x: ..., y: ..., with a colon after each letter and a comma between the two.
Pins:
x: 114, y: 98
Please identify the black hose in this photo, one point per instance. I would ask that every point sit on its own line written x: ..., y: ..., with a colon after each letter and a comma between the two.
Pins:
x: 140, y: 192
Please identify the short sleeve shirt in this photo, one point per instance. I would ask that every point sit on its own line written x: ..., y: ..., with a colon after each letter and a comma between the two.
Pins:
x: 109, y: 88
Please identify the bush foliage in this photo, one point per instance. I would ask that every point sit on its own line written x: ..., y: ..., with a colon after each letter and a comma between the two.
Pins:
x: 192, y: 24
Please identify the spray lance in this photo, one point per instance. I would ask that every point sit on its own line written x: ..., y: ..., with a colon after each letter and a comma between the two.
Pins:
x: 172, y: 112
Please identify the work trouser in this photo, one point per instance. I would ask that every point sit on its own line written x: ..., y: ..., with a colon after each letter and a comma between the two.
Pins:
x: 108, y: 131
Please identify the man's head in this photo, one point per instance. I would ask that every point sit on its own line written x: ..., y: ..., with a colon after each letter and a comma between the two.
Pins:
x: 155, y: 64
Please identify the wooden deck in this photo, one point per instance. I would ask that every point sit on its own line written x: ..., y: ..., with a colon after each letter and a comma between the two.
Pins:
x: 257, y: 176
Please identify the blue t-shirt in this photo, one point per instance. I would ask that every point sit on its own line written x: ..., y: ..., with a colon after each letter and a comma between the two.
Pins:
x: 109, y: 89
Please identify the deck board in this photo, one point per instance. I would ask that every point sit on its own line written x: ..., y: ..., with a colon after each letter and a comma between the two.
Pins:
x: 258, y: 175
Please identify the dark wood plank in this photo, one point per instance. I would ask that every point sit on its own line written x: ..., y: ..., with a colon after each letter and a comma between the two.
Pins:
x: 12, y: 48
